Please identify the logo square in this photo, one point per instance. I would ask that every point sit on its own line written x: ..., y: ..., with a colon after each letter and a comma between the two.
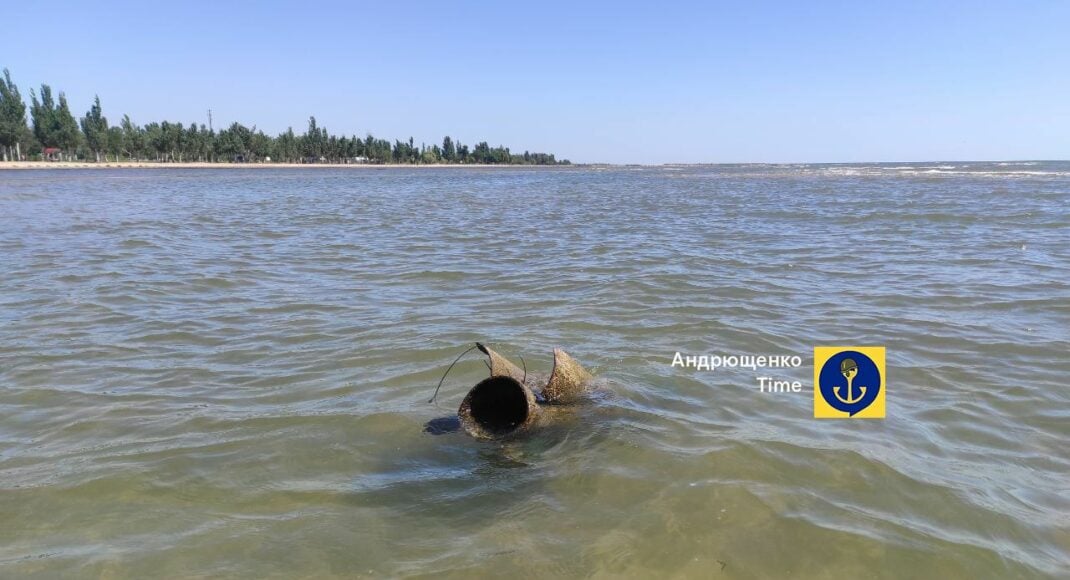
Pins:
x: 849, y: 382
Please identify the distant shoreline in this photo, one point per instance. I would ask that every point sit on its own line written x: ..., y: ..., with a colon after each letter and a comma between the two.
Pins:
x: 44, y: 165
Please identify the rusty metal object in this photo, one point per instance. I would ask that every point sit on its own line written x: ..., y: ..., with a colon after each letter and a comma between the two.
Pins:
x: 503, y: 405
x: 501, y: 366
x: 568, y: 381
x: 498, y: 406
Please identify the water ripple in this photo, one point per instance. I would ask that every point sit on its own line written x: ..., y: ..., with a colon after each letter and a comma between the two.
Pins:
x: 225, y: 373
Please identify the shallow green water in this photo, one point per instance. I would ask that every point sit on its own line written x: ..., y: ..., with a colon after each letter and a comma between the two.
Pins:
x: 226, y: 373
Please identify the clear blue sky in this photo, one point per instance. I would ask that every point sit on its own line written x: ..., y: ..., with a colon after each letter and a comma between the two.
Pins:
x: 649, y: 82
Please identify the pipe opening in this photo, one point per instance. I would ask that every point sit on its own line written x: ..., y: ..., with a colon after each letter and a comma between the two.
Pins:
x: 499, y: 405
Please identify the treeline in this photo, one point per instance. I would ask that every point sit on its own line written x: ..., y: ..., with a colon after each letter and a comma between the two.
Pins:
x: 51, y: 133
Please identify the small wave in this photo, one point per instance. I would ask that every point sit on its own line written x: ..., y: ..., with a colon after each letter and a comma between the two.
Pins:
x: 1013, y: 173
x: 135, y: 244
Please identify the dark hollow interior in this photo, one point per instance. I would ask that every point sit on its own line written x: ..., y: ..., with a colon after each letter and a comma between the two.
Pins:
x: 498, y: 404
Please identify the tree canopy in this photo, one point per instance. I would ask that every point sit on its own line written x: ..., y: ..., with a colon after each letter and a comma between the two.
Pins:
x: 54, y: 128
x: 95, y: 128
x: 13, y: 128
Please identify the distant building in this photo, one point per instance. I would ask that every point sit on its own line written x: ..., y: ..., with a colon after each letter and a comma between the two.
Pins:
x: 53, y: 154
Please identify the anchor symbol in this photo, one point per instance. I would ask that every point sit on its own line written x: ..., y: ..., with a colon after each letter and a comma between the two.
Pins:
x: 849, y: 369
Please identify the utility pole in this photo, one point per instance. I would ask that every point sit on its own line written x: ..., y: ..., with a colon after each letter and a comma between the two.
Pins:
x: 209, y: 119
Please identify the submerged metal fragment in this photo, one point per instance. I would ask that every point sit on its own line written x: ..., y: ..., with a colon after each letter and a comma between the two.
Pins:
x: 503, y: 405
x: 501, y: 366
x: 568, y: 381
x: 498, y: 406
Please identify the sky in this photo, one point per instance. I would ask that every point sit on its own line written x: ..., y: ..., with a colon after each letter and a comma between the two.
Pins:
x: 614, y: 82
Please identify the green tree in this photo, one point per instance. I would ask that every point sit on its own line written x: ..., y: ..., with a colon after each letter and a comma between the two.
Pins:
x: 43, y: 113
x: 191, y: 142
x: 155, y: 140
x: 95, y: 128
x: 312, y: 142
x: 69, y: 135
x: 286, y: 146
x: 331, y: 150
x: 449, y: 152
x: 481, y: 154
x: 13, y: 129
x: 133, y: 139
x: 260, y: 145
x: 234, y: 142
x: 115, y: 142
x: 176, y: 136
x: 54, y: 125
x: 211, y: 141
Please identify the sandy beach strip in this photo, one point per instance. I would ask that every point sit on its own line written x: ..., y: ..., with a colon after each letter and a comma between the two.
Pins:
x: 201, y: 165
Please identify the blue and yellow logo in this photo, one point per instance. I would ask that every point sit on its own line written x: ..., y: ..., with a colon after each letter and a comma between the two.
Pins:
x: 849, y: 381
